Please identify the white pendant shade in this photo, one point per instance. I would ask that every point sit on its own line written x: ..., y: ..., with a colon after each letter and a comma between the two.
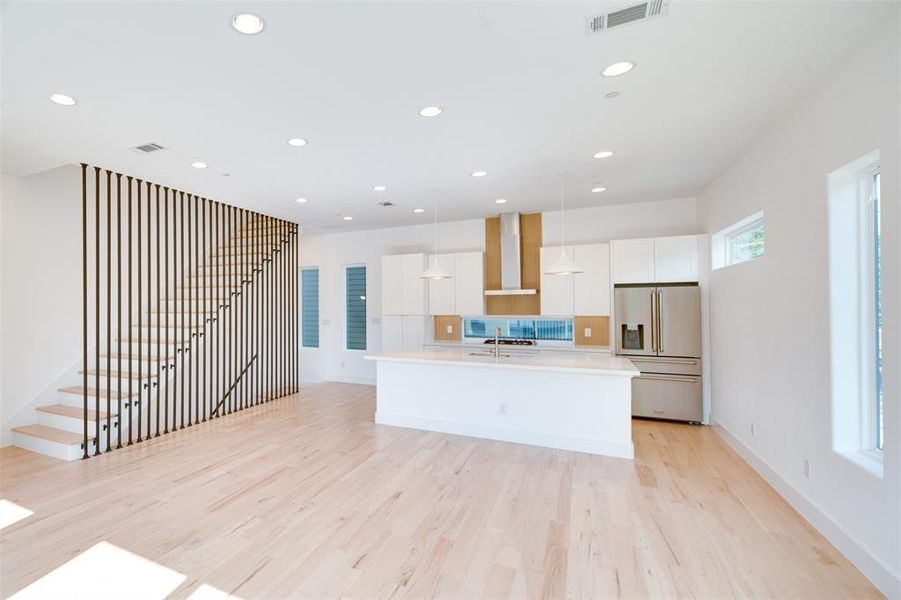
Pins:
x: 563, y: 266
x: 435, y: 271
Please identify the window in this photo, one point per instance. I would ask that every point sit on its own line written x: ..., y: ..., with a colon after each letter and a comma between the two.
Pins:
x: 355, y: 290
x: 309, y: 296
x: 740, y: 242
x: 560, y: 330
x: 856, y: 311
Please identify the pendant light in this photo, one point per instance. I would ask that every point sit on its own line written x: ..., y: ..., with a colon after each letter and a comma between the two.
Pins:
x: 563, y: 265
x: 435, y: 270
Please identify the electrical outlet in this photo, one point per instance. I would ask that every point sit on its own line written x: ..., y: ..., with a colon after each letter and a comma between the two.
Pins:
x: 753, y: 429
x: 587, y: 332
x: 502, y: 408
x: 806, y: 468
x: 450, y: 328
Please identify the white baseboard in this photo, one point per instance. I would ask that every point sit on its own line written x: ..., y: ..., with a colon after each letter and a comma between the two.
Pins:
x: 509, y: 434
x: 874, y: 569
x: 352, y: 379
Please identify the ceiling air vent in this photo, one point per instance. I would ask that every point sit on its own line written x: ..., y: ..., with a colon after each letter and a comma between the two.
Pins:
x: 386, y: 203
x: 625, y: 15
x: 148, y: 148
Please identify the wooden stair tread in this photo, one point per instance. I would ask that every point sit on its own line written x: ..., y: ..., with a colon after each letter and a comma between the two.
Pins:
x: 73, y: 411
x: 51, y: 434
x: 113, y: 394
x: 143, y: 357
x: 115, y: 374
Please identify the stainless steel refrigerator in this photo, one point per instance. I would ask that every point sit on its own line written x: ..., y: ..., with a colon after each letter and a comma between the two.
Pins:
x: 658, y: 327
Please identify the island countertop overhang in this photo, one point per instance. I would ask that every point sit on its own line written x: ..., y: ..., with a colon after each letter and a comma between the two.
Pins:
x: 577, y: 364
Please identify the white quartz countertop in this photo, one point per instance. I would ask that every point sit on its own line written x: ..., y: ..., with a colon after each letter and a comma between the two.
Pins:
x: 476, y: 357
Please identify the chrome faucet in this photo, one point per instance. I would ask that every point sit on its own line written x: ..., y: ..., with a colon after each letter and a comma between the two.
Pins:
x: 497, y: 346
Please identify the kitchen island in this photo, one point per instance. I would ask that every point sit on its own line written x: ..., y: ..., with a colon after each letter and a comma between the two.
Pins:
x: 578, y: 402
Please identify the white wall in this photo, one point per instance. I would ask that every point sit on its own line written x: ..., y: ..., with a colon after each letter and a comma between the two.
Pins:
x: 331, y: 252
x: 40, y: 310
x: 769, y: 319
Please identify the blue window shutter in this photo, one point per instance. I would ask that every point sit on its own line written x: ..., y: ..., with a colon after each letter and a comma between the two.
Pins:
x: 356, y: 308
x: 310, y: 311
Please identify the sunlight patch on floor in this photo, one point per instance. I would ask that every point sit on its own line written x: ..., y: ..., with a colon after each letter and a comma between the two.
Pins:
x: 10, y: 513
x: 102, y: 572
x: 208, y: 592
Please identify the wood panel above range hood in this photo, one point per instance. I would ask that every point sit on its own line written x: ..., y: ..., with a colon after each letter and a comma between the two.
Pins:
x: 530, y: 273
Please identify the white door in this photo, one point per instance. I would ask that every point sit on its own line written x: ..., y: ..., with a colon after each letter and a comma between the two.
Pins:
x: 469, y: 284
x: 414, y: 333
x: 556, y: 290
x: 441, y: 291
x: 392, y: 334
x: 392, y: 285
x: 676, y: 258
x: 633, y: 261
x: 591, y: 294
x: 414, y: 286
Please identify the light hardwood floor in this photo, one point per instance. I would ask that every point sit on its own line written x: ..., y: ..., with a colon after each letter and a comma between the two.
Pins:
x: 306, y: 497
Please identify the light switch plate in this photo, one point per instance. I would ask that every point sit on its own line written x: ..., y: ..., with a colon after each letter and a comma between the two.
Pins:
x: 587, y: 332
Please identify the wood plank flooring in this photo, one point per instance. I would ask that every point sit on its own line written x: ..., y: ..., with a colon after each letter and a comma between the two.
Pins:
x: 307, y: 497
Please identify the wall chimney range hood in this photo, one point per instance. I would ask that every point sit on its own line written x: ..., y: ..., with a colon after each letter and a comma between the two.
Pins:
x: 511, y: 262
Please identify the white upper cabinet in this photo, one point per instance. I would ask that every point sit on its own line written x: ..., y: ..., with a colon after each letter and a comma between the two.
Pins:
x: 591, y: 288
x: 652, y: 260
x: 464, y: 293
x: 557, y: 291
x: 469, y: 284
x: 414, y: 288
x: 633, y: 261
x: 413, y: 333
x: 392, y: 284
x: 676, y: 259
x: 404, y: 291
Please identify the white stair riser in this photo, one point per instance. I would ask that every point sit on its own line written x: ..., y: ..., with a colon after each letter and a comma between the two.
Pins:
x: 48, y: 448
x: 72, y: 424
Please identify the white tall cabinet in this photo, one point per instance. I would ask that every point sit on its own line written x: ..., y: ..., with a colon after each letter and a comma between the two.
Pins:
x: 671, y: 259
x: 405, y: 302
x: 586, y: 293
x: 462, y: 294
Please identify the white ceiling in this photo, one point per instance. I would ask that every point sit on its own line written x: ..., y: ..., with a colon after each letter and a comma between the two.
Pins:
x: 519, y: 81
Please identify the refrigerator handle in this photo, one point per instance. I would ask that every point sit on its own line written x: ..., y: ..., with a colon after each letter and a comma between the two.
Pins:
x: 654, y: 321
x: 659, y: 321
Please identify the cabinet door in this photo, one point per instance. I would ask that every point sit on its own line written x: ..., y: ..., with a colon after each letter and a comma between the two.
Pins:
x: 414, y: 333
x: 633, y: 261
x: 392, y: 334
x: 556, y: 290
x: 441, y: 291
x: 469, y: 287
x: 392, y: 285
x: 592, y: 287
x: 414, y: 294
x: 676, y: 258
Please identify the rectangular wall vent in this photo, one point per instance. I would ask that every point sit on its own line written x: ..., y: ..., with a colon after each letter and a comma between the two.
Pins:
x: 625, y: 15
x: 148, y: 148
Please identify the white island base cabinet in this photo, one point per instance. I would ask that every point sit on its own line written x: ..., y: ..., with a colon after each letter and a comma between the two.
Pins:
x: 512, y: 400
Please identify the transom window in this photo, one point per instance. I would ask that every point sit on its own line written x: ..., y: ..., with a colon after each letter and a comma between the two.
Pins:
x: 740, y: 242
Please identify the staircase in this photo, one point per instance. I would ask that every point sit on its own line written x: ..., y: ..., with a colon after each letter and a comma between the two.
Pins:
x: 195, y: 320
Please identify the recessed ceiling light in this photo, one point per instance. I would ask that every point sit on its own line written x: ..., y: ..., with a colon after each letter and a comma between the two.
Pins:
x: 247, y: 24
x: 618, y: 68
x: 199, y: 164
x: 418, y: 210
x: 301, y: 200
x: 479, y: 173
x: 347, y: 218
x: 379, y: 188
x: 500, y: 201
x: 431, y: 111
x: 598, y: 189
x: 63, y: 99
x: 603, y: 154
x: 297, y: 142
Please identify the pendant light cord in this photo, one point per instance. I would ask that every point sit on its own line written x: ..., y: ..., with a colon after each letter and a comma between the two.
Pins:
x: 562, y: 219
x: 435, y: 210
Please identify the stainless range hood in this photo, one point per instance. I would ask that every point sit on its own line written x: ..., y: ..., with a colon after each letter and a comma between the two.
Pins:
x: 511, y: 261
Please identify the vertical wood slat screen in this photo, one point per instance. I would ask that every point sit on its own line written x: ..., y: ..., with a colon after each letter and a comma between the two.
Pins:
x: 190, y: 309
x: 355, y: 290
x: 310, y: 307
